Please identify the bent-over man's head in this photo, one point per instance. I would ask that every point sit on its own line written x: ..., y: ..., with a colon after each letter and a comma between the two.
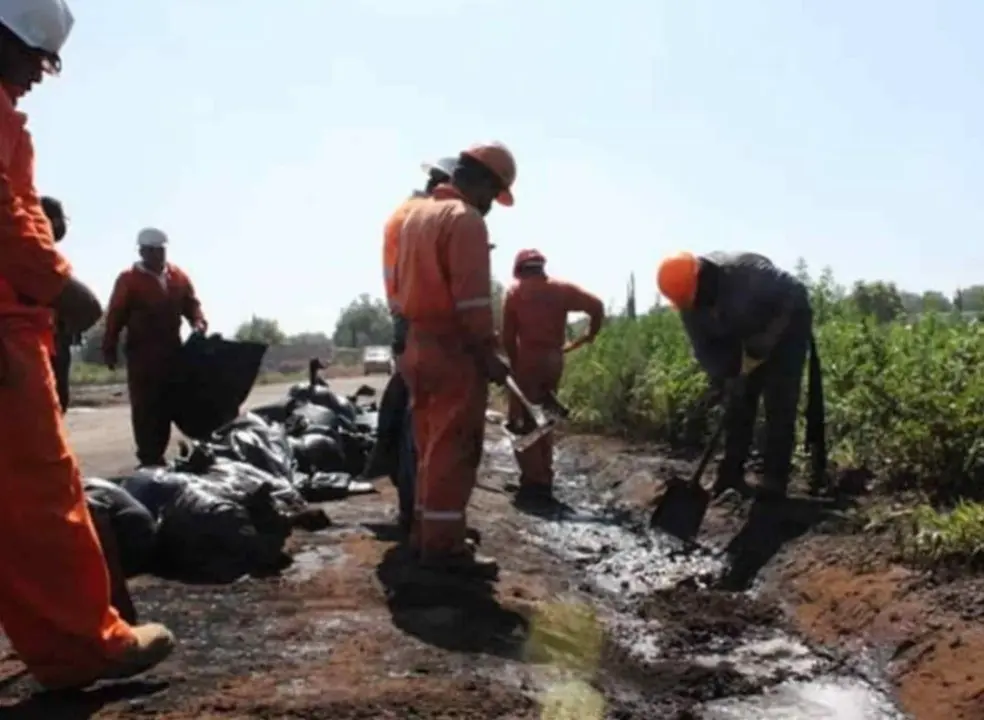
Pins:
x: 55, y: 213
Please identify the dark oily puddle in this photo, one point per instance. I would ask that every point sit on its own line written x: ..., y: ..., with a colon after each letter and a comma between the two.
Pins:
x: 666, y: 628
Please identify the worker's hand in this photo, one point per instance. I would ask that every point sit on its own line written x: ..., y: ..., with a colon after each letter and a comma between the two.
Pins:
x: 749, y: 364
x: 496, y: 368
x: 109, y: 358
x: 575, y: 344
x: 200, y: 327
x: 77, y: 307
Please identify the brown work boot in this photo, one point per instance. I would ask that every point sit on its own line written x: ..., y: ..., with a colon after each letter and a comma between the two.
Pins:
x: 152, y: 644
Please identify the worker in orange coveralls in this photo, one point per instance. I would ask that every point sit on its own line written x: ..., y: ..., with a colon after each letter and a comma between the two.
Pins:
x: 406, y: 473
x: 444, y: 289
x: 54, y: 587
x: 534, y: 324
x: 149, y: 300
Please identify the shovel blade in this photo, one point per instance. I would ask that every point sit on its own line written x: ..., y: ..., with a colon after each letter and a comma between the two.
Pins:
x: 522, y: 443
x: 681, y: 511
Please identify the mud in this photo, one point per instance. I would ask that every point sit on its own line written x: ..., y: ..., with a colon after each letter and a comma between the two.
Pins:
x: 593, y: 617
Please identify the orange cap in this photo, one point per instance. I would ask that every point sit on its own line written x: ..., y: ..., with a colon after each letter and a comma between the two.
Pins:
x: 677, y: 279
x: 497, y: 158
x: 525, y: 258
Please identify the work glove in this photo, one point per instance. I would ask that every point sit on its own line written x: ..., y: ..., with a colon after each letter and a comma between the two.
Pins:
x: 496, y: 368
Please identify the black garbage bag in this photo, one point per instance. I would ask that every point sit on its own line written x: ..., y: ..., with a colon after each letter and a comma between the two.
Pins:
x: 153, y: 488
x: 205, y: 538
x: 325, y: 487
x: 132, y: 524
x: 236, y: 480
x: 384, y: 459
x: 317, y: 452
x: 305, y: 414
x: 214, y: 378
x: 274, y: 412
x: 253, y: 440
x: 324, y: 396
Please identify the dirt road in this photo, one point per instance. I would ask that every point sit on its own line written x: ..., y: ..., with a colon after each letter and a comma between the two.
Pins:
x: 593, y: 617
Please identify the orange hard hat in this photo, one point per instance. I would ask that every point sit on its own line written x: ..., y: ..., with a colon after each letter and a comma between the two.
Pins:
x: 677, y: 279
x: 497, y: 158
x: 528, y: 258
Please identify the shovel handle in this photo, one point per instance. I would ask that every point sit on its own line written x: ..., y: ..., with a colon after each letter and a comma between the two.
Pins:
x: 513, y: 387
x: 709, y: 451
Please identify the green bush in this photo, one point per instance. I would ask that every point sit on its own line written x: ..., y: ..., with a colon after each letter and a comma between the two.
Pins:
x: 905, y: 400
x: 83, y: 373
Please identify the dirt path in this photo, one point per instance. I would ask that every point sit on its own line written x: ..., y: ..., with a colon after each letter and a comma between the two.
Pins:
x: 592, y: 618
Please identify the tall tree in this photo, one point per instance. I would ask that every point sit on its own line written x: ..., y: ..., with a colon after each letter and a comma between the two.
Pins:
x: 261, y: 330
x: 366, y: 321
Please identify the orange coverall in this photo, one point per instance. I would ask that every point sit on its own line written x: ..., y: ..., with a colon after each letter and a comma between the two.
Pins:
x: 534, y: 321
x: 54, y: 586
x: 391, y: 246
x: 150, y: 307
x: 444, y: 289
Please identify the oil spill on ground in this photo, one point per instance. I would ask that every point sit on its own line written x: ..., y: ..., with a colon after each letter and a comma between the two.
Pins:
x: 668, y: 634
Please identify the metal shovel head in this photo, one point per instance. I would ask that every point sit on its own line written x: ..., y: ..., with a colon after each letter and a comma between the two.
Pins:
x: 522, y: 443
x: 681, y: 510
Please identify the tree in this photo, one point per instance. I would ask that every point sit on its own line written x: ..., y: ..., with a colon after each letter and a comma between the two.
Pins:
x: 91, y: 348
x: 366, y: 321
x: 308, y: 338
x: 498, y: 294
x: 971, y: 299
x: 630, y: 301
x: 912, y: 302
x: 261, y: 330
x: 935, y: 301
x: 879, y: 300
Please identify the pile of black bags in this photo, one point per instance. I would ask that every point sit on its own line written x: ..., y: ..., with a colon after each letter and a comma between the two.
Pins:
x: 226, y: 506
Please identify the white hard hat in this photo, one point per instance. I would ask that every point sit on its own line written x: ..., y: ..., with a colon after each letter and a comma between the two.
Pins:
x: 151, y: 238
x: 41, y: 24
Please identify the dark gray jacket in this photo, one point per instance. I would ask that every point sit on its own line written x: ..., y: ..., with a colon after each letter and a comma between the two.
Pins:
x: 752, y: 293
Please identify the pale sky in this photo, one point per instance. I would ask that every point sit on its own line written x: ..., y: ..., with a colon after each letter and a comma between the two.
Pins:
x: 271, y: 144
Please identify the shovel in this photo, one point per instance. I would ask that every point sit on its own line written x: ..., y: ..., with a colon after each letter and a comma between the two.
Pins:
x: 543, y: 425
x: 682, y: 508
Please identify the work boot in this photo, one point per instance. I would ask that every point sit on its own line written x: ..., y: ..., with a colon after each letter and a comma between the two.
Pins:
x: 465, y: 562
x: 472, y: 540
x: 771, y: 488
x: 152, y: 644
x: 538, y: 495
x: 728, y: 479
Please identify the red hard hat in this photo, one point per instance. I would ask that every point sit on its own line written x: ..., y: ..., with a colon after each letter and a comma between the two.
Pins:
x: 528, y: 258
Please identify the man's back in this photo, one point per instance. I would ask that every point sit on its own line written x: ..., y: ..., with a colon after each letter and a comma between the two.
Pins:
x: 535, y: 310
x: 391, y: 242
x: 437, y: 258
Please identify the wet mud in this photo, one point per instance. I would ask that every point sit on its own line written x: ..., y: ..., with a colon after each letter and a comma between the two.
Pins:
x: 593, y: 617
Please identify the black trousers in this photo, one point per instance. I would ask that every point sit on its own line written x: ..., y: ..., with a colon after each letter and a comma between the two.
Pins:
x: 150, y: 414
x: 777, y: 382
